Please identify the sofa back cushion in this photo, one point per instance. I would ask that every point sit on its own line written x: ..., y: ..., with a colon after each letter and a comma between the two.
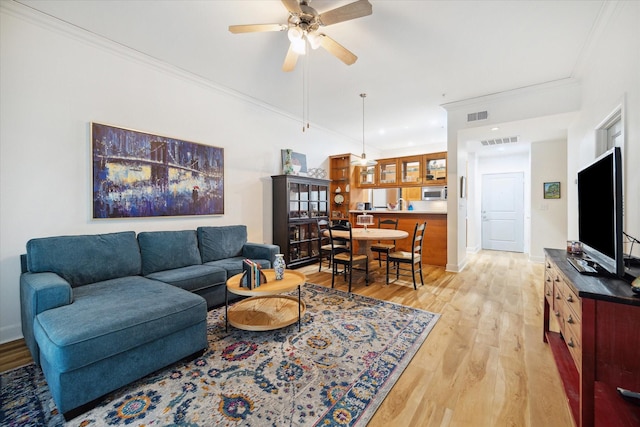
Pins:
x: 86, y: 258
x: 166, y: 250
x: 221, y: 242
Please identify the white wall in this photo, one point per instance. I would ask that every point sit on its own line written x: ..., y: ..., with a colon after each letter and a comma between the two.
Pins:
x: 548, y: 216
x: 55, y: 80
x: 610, y: 78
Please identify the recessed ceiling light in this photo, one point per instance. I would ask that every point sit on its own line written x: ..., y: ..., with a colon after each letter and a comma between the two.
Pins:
x: 495, y: 128
x: 381, y: 131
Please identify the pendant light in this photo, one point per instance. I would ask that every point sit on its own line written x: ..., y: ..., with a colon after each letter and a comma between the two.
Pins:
x: 363, y: 160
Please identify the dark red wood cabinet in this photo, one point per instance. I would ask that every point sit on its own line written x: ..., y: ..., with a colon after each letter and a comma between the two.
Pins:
x: 597, y: 342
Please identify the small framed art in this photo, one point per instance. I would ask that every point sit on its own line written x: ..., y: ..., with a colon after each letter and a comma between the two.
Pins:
x: 551, y: 190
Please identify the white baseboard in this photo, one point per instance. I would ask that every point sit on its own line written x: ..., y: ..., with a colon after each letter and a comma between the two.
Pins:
x: 536, y: 259
x: 10, y: 333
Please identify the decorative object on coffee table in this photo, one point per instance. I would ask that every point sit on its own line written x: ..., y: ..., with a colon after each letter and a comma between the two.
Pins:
x: 278, y: 266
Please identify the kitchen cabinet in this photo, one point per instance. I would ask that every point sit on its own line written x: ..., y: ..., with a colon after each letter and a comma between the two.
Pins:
x: 411, y: 170
x: 435, y: 169
x: 388, y: 172
x: 298, y: 202
x: 366, y: 176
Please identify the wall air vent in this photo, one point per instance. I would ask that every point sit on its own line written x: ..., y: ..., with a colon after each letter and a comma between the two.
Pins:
x: 499, y: 141
x: 480, y: 115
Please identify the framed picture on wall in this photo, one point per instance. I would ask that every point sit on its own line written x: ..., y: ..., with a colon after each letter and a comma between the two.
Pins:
x: 551, y: 190
x: 138, y: 174
x: 298, y: 160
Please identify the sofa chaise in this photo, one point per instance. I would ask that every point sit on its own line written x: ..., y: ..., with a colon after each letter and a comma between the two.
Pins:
x: 100, y: 311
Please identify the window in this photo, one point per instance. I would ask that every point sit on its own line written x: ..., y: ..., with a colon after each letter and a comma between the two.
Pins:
x: 610, y: 133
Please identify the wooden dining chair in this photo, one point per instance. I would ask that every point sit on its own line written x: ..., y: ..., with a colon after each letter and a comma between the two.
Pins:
x: 383, y: 247
x: 324, y: 244
x: 414, y: 258
x: 343, y: 255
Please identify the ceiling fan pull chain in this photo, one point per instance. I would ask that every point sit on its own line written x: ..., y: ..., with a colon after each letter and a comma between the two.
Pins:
x: 305, y: 89
x: 304, y: 96
x: 306, y: 72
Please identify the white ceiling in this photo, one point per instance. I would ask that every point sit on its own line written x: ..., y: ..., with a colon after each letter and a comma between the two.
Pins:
x: 413, y: 56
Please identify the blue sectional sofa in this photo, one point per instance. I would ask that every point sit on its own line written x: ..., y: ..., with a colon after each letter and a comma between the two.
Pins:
x: 100, y: 311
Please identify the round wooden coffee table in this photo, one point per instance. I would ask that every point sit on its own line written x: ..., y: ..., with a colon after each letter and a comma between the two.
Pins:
x: 267, y: 308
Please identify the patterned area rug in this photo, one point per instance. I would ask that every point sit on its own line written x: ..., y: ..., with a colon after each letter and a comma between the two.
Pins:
x: 335, y: 372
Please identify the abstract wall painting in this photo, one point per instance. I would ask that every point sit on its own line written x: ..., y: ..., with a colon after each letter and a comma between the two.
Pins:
x: 138, y: 174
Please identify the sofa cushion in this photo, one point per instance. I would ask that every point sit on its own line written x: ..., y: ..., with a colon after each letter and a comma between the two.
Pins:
x: 165, y: 250
x: 221, y: 242
x: 233, y: 265
x: 85, y: 258
x: 113, y: 316
x: 192, y: 278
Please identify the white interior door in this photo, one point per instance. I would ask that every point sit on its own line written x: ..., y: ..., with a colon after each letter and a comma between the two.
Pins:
x: 503, y: 212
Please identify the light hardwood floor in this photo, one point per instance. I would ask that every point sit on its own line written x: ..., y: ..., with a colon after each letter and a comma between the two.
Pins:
x: 484, y: 363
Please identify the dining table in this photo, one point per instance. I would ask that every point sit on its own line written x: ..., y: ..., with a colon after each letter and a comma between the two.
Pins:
x: 365, y: 236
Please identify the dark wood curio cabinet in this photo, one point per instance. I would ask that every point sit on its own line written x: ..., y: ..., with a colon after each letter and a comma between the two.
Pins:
x: 298, y: 203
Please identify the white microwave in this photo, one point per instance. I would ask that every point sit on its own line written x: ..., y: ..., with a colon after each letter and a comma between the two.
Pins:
x: 434, y: 193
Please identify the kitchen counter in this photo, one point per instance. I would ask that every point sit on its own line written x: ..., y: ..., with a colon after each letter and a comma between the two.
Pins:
x: 434, y: 249
x: 403, y: 212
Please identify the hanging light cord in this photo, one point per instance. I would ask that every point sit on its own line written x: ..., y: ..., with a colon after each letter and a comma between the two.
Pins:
x: 363, y: 96
x: 305, y: 89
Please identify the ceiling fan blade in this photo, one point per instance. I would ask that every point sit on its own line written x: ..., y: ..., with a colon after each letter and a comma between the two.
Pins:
x: 290, y: 60
x: 353, y: 10
x: 256, y: 28
x: 292, y: 6
x: 337, y: 50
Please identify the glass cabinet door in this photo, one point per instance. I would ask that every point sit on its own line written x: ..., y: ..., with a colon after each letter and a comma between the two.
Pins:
x: 435, y: 169
x: 323, y: 201
x: 294, y: 200
x: 303, y: 241
x: 411, y: 168
x: 299, y: 198
x: 318, y: 203
x: 366, y: 176
x: 388, y: 172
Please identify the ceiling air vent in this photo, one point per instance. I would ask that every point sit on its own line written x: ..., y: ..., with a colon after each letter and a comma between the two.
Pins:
x: 498, y: 141
x: 480, y: 115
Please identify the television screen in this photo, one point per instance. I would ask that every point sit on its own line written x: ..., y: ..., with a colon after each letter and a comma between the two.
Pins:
x: 600, y: 211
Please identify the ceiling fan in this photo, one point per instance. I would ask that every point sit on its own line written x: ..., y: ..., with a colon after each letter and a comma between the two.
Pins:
x: 303, y: 29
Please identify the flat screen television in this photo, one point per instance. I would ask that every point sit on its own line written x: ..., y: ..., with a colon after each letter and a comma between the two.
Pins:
x: 600, y: 211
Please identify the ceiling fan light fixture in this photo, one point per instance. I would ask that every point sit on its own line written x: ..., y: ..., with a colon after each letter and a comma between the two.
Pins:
x: 299, y: 46
x: 315, y: 40
x: 295, y: 34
